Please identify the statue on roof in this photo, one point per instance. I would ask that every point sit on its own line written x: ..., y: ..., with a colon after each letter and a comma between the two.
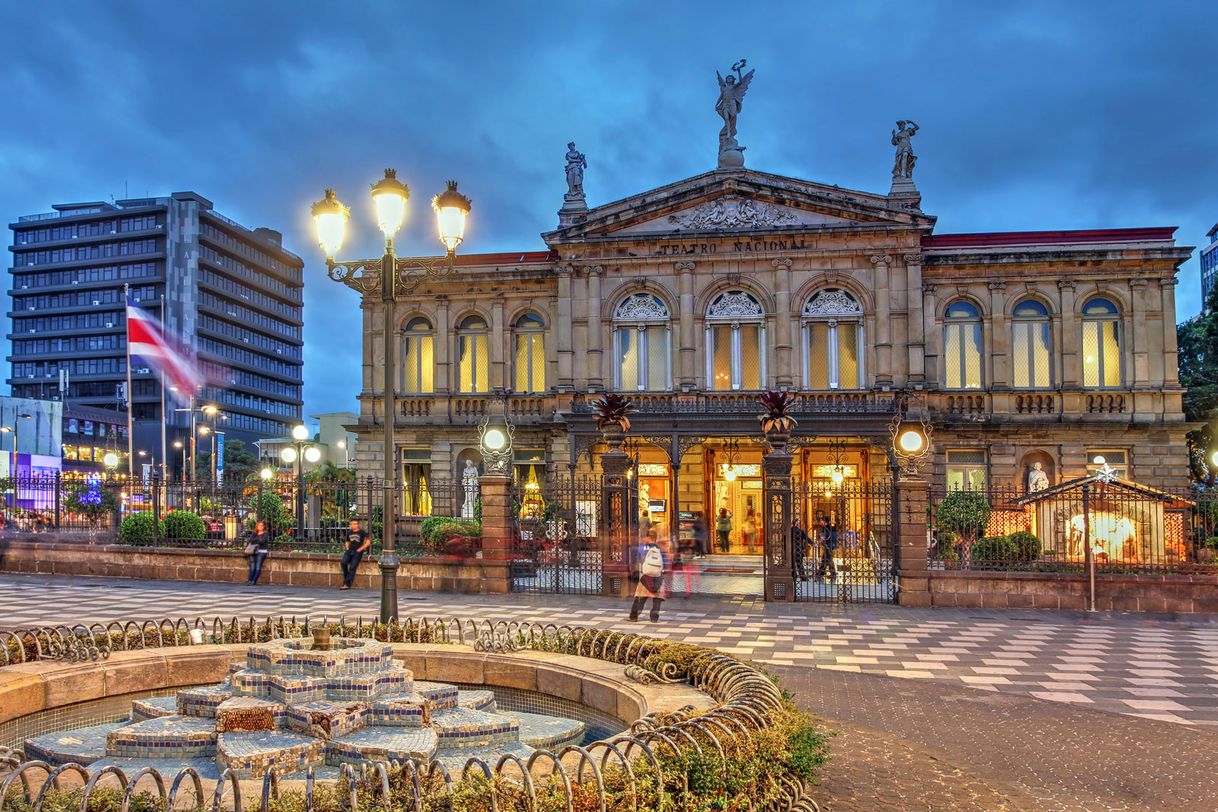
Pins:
x: 576, y: 164
x: 903, y: 166
x: 728, y: 106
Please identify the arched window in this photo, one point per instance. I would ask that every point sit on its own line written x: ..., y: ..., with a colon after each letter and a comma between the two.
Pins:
x: 1031, y: 346
x: 418, y: 357
x: 530, y: 365
x: 1101, y: 344
x: 735, y: 336
x: 962, y: 346
x: 473, y: 356
x: 833, y: 341
x: 641, y: 338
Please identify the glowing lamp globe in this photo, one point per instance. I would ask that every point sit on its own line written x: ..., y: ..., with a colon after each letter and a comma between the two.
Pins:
x: 300, y: 432
x: 910, y: 441
x: 389, y: 196
x: 288, y: 455
x: 451, y: 209
x: 837, y: 476
x: 1214, y: 459
x: 330, y: 222
x: 1099, y: 460
x: 494, y: 439
x: 110, y: 460
x: 266, y: 473
x: 312, y: 454
x: 730, y: 473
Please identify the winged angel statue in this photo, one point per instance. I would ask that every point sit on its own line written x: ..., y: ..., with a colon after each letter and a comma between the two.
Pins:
x: 731, y: 99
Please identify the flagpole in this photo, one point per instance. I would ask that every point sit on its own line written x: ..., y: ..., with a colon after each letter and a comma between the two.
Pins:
x: 130, y: 391
x: 164, y: 414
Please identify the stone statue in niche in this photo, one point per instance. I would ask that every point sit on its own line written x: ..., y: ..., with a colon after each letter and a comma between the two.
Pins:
x: 1038, y: 480
x: 469, y: 482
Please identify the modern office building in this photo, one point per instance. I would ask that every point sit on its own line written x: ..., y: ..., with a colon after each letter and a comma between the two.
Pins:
x: 1209, y: 265
x: 230, y: 294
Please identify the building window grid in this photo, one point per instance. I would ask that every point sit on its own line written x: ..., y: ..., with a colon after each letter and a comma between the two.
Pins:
x: 261, y: 362
x: 231, y: 243
x: 210, y: 278
x: 247, y: 316
x: 249, y: 337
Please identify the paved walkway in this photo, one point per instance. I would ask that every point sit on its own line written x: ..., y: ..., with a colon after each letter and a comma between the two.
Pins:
x: 936, y: 709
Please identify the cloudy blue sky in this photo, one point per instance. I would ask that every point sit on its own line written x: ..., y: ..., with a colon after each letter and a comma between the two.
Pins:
x: 1033, y: 115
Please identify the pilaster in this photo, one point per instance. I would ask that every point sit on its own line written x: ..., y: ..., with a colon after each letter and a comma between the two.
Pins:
x: 497, y: 345
x: 1071, y: 336
x: 883, y: 319
x: 687, y: 352
x: 917, y: 327
x: 563, y: 340
x: 1139, y: 340
x: 596, y: 375
x: 1000, y: 338
x: 784, y: 369
x: 931, y: 335
x: 441, y: 344
x: 1171, y: 350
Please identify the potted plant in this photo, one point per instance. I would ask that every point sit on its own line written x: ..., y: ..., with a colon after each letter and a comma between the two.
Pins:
x: 776, y: 419
x: 613, y: 413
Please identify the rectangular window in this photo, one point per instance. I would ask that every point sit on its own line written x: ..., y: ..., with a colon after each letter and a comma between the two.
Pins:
x: 416, y: 492
x: 721, y: 369
x: 628, y: 358
x: 847, y: 356
x: 473, y: 375
x: 1116, y: 459
x: 963, y: 354
x: 818, y: 355
x: 1101, y: 355
x: 750, y: 356
x: 657, y: 357
x: 419, y: 365
x: 966, y: 470
x: 530, y: 363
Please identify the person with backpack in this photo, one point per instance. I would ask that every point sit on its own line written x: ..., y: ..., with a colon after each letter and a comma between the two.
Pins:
x: 653, y: 563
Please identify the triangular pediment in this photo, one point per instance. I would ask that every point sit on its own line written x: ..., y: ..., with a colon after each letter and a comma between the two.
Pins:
x: 741, y: 201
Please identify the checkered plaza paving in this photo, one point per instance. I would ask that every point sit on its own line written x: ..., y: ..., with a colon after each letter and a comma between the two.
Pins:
x: 1157, y: 668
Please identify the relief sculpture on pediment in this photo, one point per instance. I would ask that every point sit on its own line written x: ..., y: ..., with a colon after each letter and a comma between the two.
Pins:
x: 732, y: 212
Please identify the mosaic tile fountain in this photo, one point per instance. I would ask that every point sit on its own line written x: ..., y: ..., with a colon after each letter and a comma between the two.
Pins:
x: 295, y: 707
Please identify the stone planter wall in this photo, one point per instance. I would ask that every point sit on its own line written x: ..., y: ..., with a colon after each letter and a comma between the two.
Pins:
x: 1034, y: 590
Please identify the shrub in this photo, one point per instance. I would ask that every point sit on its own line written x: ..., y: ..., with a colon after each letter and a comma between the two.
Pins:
x: 285, y: 540
x: 945, y: 549
x: 429, y: 526
x: 1025, y: 546
x: 966, y: 513
x: 273, y: 512
x: 444, y: 535
x: 139, y: 529
x: 993, y: 549
x: 182, y: 525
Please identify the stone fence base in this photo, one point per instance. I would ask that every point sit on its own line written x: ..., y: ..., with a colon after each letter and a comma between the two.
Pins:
x: 434, y: 573
x: 1035, y: 590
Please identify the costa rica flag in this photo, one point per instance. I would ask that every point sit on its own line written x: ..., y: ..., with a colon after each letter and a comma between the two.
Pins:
x: 146, y: 339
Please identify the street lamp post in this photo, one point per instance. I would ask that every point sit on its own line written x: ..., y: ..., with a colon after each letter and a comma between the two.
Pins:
x: 300, y: 452
x: 14, y: 430
x: 390, y: 275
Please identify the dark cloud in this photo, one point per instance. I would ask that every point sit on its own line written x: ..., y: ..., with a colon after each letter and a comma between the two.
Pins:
x: 1033, y: 115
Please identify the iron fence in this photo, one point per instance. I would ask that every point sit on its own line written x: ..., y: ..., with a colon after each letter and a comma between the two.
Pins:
x: 1123, y: 527
x: 847, y: 549
x: 556, y: 543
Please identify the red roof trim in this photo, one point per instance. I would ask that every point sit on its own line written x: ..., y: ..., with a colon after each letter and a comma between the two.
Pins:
x: 991, y: 238
x: 516, y: 258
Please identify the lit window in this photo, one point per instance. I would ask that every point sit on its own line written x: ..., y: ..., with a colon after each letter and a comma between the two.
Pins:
x: 417, y: 358
x: 530, y: 363
x: 1101, y: 344
x: 735, y: 337
x: 641, y: 338
x: 473, y: 356
x: 1031, y: 346
x: 966, y: 470
x: 962, y: 346
x: 833, y: 341
x: 1116, y: 459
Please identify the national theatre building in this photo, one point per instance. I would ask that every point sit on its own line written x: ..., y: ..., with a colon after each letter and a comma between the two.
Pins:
x: 1017, y: 348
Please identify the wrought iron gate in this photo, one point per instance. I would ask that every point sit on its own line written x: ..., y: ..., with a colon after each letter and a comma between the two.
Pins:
x: 851, y: 558
x: 557, y: 541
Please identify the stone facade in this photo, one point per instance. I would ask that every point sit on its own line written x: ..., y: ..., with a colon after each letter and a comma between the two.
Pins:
x: 1019, y: 347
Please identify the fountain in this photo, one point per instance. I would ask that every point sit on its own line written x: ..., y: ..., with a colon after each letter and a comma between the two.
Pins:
x: 300, y: 704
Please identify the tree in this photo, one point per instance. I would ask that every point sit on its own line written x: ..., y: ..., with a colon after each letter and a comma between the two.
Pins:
x: 967, y: 515
x: 1197, y: 340
x: 239, y: 463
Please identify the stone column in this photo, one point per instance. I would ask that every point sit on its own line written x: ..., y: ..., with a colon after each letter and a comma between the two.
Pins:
x: 687, y: 377
x: 615, y: 517
x: 562, y: 337
x: 998, y: 376
x: 1071, y: 337
x: 883, y: 320
x: 932, y: 335
x: 784, y: 379
x: 916, y: 339
x: 495, y: 490
x: 1171, y: 350
x: 1138, y: 339
x: 579, y: 331
x: 596, y: 373
x: 497, y: 346
x: 912, y: 499
x: 776, y: 515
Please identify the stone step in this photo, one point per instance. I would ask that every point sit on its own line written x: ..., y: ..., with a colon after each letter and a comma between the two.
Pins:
x: 202, y: 701
x: 400, y: 710
x: 455, y: 759
x: 369, y: 686
x: 439, y: 694
x: 246, y: 714
x: 327, y: 720
x: 169, y: 737
x: 250, y: 755
x: 168, y: 767
x: 466, y: 728
x: 547, y: 732
x: 382, y: 744
x: 84, y: 746
x: 479, y: 699
x: 153, y: 708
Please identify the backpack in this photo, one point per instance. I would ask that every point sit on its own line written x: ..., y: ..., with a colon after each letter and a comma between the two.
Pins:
x: 653, y: 562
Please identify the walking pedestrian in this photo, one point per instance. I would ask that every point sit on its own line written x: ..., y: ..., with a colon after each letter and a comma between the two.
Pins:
x: 723, y: 529
x: 799, y: 549
x: 257, y: 548
x: 358, y: 542
x: 748, y: 529
x: 828, y: 544
x: 701, y: 534
x: 687, y: 551
x: 653, y: 564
